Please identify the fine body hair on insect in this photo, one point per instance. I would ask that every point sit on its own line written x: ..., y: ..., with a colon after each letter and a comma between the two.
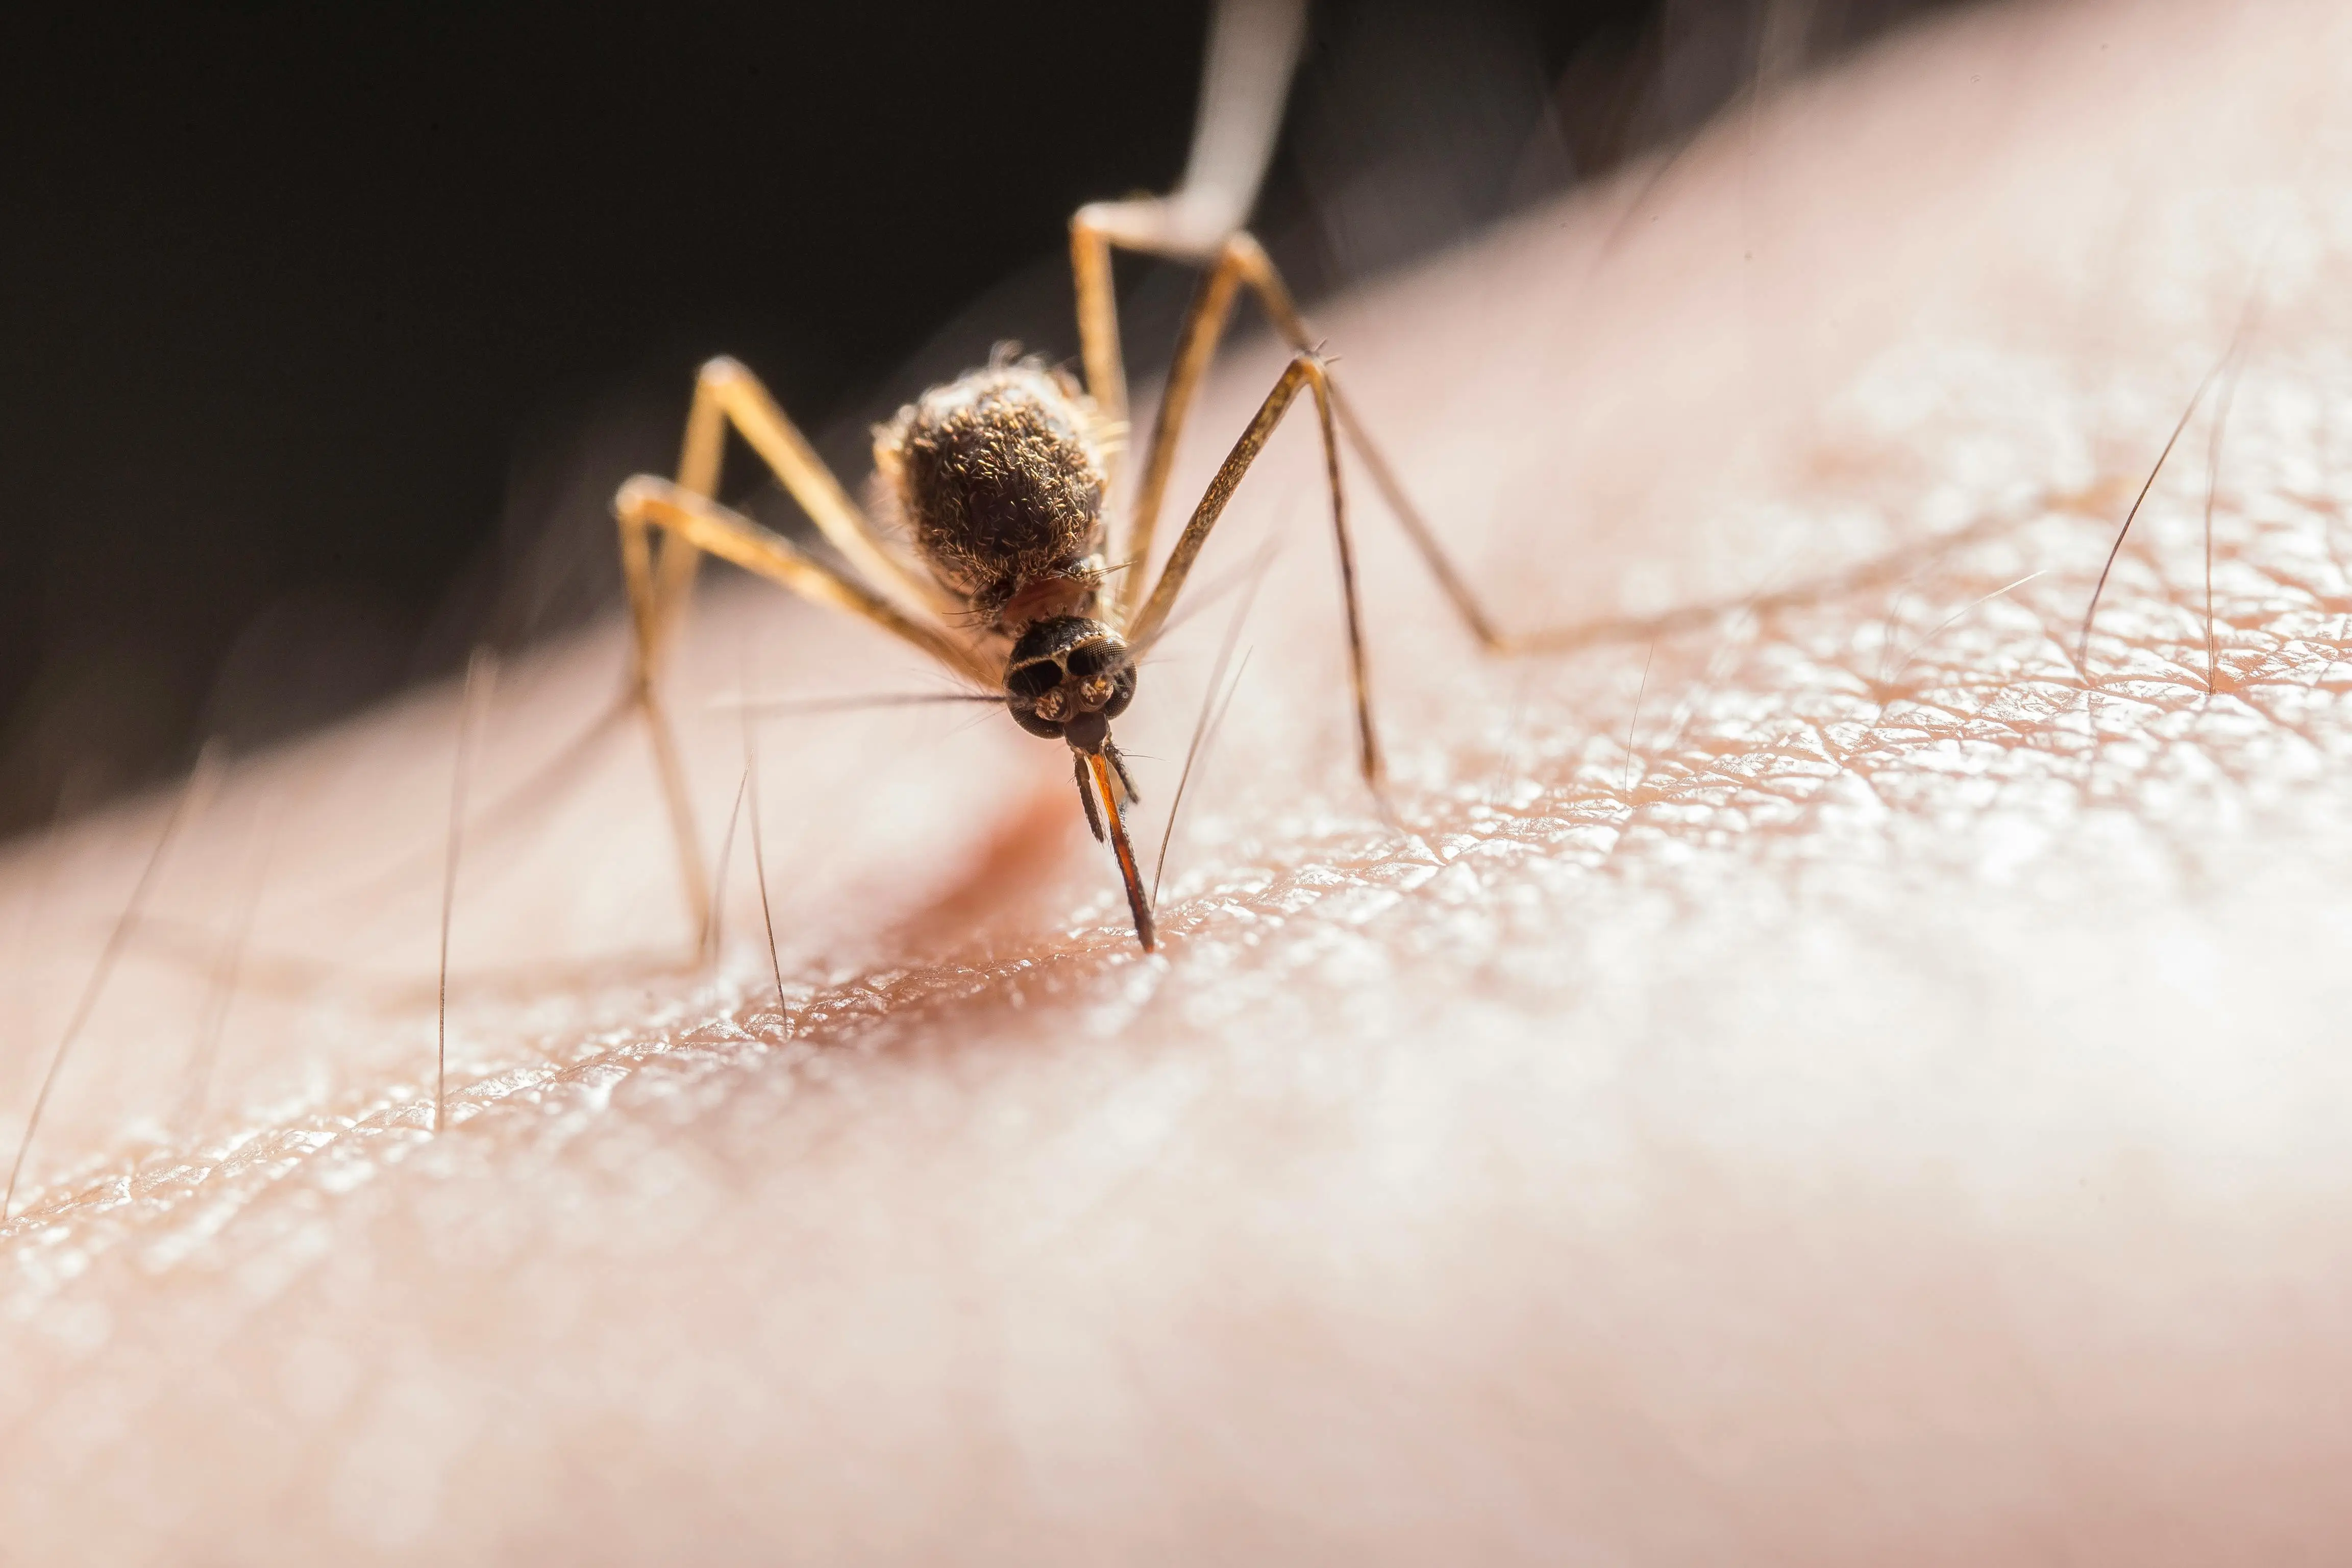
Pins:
x: 998, y: 479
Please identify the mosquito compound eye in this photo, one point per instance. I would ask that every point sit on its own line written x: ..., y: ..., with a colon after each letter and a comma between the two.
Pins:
x: 1122, y: 692
x: 1031, y: 681
x: 1087, y: 661
x: 1027, y: 717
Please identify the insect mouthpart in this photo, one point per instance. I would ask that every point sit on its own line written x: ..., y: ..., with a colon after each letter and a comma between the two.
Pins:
x: 1067, y: 678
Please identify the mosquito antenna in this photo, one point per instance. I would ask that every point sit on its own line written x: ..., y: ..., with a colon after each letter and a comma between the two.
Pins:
x: 760, y: 853
x: 719, y: 872
x: 481, y: 674
x: 201, y: 781
x: 223, y: 995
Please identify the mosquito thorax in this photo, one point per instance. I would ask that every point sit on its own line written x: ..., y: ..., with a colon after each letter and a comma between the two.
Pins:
x: 998, y: 477
x: 1067, y: 678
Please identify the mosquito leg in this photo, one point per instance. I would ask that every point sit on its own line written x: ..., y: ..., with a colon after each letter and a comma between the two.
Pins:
x: 1153, y: 227
x: 677, y: 802
x: 646, y: 504
x: 1105, y: 367
x: 637, y: 574
x: 1251, y: 47
x: 1257, y: 269
x: 1196, y: 344
x: 1305, y: 372
x: 1245, y: 79
x: 726, y: 395
x: 1093, y: 231
x: 1250, y: 265
x: 1239, y: 259
x: 691, y: 520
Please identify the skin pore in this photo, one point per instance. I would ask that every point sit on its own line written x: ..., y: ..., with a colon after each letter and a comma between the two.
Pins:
x: 1886, y: 1112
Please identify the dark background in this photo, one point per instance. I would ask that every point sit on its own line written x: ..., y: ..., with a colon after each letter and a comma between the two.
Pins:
x: 325, y: 331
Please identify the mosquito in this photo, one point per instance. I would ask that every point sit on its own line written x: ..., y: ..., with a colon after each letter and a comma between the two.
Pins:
x: 1003, y: 481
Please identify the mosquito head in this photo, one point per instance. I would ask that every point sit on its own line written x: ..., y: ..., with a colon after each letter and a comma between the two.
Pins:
x: 1067, y: 678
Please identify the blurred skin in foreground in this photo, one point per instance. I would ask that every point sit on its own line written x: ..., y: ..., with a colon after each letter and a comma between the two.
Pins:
x: 1833, y: 1081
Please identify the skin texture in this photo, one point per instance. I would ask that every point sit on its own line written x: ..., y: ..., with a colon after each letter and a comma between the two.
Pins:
x: 1893, y: 1112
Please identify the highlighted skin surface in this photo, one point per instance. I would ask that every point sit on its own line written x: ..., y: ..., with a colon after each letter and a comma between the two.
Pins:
x: 1893, y: 1112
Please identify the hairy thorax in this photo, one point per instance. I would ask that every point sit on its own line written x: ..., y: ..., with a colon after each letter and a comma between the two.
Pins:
x: 998, y: 476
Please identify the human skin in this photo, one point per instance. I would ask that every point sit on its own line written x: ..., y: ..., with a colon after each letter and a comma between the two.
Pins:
x: 1890, y: 1113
